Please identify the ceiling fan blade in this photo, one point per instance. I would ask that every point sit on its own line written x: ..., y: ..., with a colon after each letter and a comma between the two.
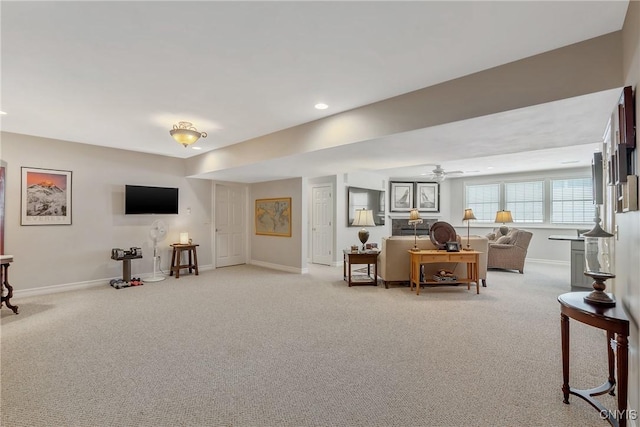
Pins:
x: 454, y: 172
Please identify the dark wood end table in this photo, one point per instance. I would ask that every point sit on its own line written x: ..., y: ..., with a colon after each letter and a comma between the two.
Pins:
x: 360, y: 257
x: 176, y: 258
x: 615, y: 322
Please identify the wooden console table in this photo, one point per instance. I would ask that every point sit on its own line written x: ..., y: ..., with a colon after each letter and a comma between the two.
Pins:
x: 613, y: 320
x: 176, y: 258
x: 432, y: 256
x: 351, y: 258
x: 5, y: 260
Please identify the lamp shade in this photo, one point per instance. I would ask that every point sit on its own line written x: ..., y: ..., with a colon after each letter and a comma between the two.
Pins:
x: 414, y: 215
x: 364, y: 218
x: 184, y: 238
x: 504, y: 217
x: 468, y: 215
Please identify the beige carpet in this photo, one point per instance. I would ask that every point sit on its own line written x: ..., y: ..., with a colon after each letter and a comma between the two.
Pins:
x: 247, y: 346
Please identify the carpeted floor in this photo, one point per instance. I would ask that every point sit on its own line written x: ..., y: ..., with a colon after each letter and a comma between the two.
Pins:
x: 247, y: 346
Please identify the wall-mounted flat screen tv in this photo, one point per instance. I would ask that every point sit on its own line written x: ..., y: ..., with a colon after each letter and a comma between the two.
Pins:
x: 141, y: 199
x: 366, y: 198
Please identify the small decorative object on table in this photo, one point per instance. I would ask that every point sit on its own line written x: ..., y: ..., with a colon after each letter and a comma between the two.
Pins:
x: 444, y: 276
x: 453, y: 247
x: 597, y: 264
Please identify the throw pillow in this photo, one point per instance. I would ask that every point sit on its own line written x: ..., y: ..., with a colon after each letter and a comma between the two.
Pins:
x: 491, y: 236
x: 505, y: 240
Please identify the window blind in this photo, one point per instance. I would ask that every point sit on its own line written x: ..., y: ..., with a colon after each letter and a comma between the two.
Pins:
x: 484, y: 200
x: 572, y: 201
x: 525, y: 200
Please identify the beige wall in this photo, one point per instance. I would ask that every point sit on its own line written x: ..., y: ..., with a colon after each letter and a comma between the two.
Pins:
x: 80, y: 253
x: 627, y: 267
x: 285, y: 253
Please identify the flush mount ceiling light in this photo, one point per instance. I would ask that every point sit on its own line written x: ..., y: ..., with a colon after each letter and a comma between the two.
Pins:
x: 321, y: 106
x: 186, y: 134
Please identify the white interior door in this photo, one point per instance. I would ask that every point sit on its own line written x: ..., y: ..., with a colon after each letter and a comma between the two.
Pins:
x: 322, y: 225
x: 230, y: 225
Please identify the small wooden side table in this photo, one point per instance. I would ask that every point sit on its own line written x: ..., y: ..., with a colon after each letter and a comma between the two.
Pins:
x: 614, y: 320
x: 5, y: 260
x: 176, y: 258
x: 368, y: 258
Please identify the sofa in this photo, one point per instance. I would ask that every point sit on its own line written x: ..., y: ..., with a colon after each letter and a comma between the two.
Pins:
x: 394, y: 261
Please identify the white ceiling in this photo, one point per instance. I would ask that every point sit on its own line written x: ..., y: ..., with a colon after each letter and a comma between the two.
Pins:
x: 120, y: 74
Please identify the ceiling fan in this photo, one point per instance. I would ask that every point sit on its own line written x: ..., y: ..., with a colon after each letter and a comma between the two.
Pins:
x: 438, y: 174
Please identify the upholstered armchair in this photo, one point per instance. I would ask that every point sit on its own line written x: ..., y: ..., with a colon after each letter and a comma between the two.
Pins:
x: 509, y: 252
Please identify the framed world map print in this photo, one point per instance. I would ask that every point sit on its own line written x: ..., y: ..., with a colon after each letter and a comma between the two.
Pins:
x: 273, y: 217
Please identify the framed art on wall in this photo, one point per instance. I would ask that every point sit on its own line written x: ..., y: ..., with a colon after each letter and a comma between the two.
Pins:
x: 401, y: 199
x: 45, y: 197
x: 273, y: 217
x: 428, y: 196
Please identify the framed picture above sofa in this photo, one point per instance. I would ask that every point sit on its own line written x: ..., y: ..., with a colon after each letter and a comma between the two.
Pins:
x: 424, y: 196
x: 401, y: 199
x: 428, y: 196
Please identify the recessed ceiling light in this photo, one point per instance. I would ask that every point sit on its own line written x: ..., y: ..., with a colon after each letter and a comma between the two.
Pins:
x: 2, y: 113
x: 321, y: 106
x: 567, y: 162
x: 489, y: 167
x: 197, y: 148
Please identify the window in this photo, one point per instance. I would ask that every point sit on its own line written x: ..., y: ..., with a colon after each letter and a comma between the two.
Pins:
x: 484, y: 200
x: 572, y: 201
x: 525, y: 200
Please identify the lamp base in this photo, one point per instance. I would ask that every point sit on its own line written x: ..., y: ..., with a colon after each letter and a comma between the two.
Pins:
x: 468, y: 248
x: 504, y: 230
x: 598, y: 296
x: 363, y: 235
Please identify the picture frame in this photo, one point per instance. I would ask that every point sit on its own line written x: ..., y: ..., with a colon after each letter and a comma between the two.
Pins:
x: 273, y: 217
x: 45, y: 196
x: 453, y: 247
x: 401, y: 199
x: 428, y: 196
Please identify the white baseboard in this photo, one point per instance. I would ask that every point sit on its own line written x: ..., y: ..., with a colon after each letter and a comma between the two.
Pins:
x: 280, y: 267
x: 65, y: 287
x: 548, y: 261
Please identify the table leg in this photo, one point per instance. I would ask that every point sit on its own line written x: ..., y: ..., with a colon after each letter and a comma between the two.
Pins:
x: 476, y: 274
x: 349, y: 272
x: 623, y: 365
x: 375, y: 272
x: 178, y: 262
x: 612, y: 360
x: 173, y: 261
x: 416, y: 271
x: 344, y: 266
x: 4, y: 281
x: 195, y: 260
x: 564, y: 328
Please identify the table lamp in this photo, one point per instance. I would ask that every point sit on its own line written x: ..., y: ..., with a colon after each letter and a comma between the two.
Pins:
x: 414, y: 219
x: 504, y: 217
x: 364, y: 218
x: 468, y: 216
